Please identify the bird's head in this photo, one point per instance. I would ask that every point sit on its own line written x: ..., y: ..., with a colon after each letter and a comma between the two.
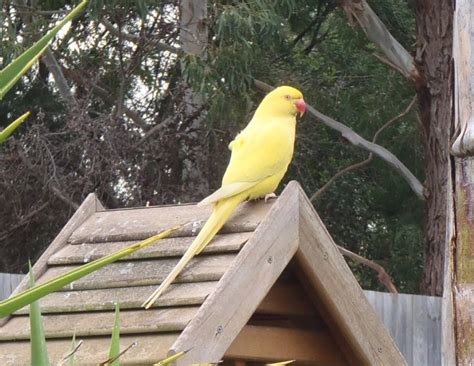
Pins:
x: 283, y: 101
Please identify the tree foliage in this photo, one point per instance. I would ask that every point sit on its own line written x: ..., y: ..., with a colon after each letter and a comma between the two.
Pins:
x: 126, y: 139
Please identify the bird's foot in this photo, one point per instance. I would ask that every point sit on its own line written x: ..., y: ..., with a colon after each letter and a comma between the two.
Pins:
x: 270, y: 196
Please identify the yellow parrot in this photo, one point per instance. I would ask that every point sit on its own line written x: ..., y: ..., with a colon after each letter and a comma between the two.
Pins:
x: 260, y: 157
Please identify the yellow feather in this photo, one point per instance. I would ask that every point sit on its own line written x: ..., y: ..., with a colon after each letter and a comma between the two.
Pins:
x: 260, y: 157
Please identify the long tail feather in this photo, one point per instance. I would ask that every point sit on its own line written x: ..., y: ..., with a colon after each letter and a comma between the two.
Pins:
x: 222, y: 211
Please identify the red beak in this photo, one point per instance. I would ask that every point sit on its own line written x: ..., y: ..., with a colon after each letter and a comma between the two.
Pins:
x: 300, y: 106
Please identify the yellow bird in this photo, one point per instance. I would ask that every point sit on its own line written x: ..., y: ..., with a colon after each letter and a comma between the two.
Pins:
x: 260, y: 157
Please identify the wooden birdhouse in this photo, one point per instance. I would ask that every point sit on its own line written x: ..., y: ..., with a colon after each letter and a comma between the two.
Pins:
x: 271, y: 287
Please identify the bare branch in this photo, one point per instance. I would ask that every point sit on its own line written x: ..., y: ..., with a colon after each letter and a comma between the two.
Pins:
x: 383, y: 276
x: 340, y: 173
x: 52, y: 64
x: 359, y: 141
x: 132, y: 38
x: 378, y: 33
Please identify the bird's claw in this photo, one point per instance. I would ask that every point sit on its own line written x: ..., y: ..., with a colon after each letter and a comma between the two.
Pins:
x: 270, y: 196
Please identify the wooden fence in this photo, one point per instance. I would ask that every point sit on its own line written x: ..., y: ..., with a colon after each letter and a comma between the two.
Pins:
x: 8, y: 282
x: 414, y: 321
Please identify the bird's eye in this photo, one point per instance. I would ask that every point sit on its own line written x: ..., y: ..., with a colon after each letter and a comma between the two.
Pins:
x: 288, y: 97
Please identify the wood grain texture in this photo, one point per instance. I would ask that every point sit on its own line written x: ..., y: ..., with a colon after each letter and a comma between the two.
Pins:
x: 128, y: 298
x: 8, y: 283
x: 101, y: 323
x: 245, y: 284
x: 286, y: 299
x: 141, y: 223
x: 272, y: 344
x: 146, y: 272
x: 90, y: 206
x: 168, y: 247
x: 340, y: 295
x: 150, y: 348
x: 414, y: 322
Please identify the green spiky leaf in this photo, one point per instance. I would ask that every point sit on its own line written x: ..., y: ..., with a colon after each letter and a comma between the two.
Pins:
x: 115, y: 342
x: 16, y: 69
x: 5, y: 134
x: 39, y: 352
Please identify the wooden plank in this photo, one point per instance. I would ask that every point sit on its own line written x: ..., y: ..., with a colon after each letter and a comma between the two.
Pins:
x: 170, y: 247
x: 146, y: 272
x: 244, y: 285
x: 286, y: 299
x: 433, y: 329
x: 150, y: 348
x: 340, y: 294
x: 128, y: 298
x: 101, y: 323
x: 8, y: 283
x: 141, y: 223
x: 461, y: 239
x: 271, y: 344
x: 414, y: 322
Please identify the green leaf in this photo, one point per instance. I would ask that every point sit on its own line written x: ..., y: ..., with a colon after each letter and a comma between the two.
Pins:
x: 39, y: 352
x: 12, y: 127
x: 18, y: 67
x: 72, y: 357
x: 115, y: 342
x: 27, y: 297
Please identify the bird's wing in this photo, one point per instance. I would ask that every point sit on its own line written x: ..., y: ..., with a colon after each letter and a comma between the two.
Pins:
x: 257, y: 154
x: 227, y: 191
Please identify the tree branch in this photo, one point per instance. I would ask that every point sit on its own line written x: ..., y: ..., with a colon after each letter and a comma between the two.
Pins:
x: 365, y: 162
x: 378, y: 33
x: 359, y: 141
x: 383, y: 276
x: 53, y: 66
x: 132, y: 38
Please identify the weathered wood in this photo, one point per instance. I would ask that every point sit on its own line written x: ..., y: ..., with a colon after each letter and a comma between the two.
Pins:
x: 101, y: 323
x: 8, y: 283
x: 128, y: 298
x: 141, y: 223
x: 339, y: 293
x: 149, y: 349
x: 286, y: 299
x: 413, y: 322
x: 461, y: 239
x: 90, y: 206
x: 463, y: 55
x: 169, y: 247
x: 377, y: 32
x: 244, y: 285
x: 271, y: 344
x: 146, y: 272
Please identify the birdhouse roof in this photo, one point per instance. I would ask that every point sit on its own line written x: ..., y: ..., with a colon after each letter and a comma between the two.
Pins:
x: 273, y: 274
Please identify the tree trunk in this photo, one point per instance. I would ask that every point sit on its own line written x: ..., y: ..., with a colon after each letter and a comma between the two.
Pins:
x: 195, y: 162
x: 434, y: 51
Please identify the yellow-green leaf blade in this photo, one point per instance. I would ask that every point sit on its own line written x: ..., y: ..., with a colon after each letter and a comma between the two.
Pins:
x: 15, y: 303
x: 39, y: 352
x: 5, y: 133
x: 18, y: 67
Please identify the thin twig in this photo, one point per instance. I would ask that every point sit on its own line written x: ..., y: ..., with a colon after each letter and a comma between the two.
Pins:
x: 359, y: 141
x: 383, y: 276
x: 71, y: 353
x: 340, y: 173
x: 365, y: 162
